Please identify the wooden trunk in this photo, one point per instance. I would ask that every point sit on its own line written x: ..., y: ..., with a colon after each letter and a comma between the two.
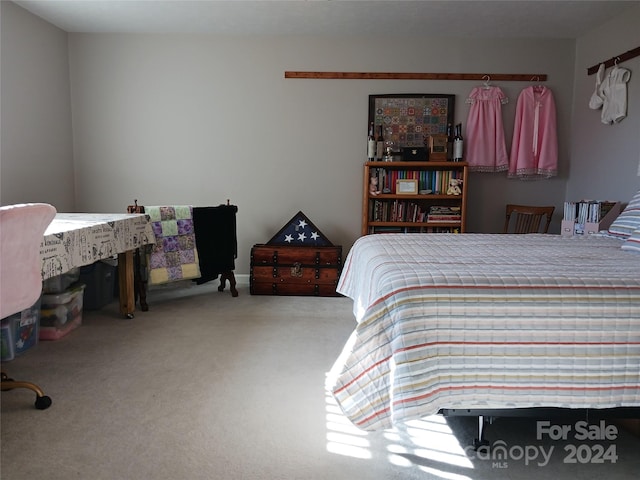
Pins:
x: 291, y: 270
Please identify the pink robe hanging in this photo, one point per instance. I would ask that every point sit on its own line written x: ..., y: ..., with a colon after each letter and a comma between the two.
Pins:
x: 534, y: 149
x: 486, y: 147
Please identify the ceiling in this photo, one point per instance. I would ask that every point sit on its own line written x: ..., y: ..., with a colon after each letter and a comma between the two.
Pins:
x: 452, y: 18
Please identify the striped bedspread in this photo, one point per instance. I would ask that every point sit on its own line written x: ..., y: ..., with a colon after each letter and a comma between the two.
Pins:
x: 487, y: 321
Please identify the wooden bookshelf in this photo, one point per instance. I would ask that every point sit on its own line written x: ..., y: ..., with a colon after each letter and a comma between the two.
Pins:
x: 392, y: 210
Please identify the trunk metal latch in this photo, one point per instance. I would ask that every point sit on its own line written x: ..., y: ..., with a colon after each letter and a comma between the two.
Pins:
x: 296, y: 270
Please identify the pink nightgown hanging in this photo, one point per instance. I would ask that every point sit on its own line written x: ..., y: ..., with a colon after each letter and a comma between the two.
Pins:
x: 486, y: 147
x: 534, y: 149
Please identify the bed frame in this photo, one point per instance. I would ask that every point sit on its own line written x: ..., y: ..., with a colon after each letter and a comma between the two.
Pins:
x: 486, y: 417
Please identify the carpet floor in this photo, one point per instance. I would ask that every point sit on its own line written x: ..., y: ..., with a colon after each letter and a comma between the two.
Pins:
x: 206, y: 386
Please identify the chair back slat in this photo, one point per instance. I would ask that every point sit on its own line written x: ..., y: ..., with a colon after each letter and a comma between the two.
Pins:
x: 527, y: 219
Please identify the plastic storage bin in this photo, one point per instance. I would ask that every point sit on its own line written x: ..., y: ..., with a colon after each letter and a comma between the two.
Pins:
x: 7, y: 345
x: 60, y: 283
x: 61, y: 313
x: 19, y: 332
x: 99, y: 279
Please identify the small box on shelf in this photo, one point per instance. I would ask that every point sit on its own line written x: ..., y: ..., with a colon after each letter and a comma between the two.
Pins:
x: 415, y: 154
x: 437, y: 147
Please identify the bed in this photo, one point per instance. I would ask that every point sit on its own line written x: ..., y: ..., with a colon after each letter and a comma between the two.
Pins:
x: 484, y: 322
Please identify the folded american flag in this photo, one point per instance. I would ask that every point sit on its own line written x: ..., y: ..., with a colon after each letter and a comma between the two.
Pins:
x: 300, y: 231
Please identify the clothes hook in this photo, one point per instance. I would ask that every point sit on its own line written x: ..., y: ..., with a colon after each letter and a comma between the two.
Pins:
x: 486, y: 79
x: 535, y: 78
x: 616, y: 61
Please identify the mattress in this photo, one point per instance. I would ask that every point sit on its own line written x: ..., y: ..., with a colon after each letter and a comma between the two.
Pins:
x: 483, y: 321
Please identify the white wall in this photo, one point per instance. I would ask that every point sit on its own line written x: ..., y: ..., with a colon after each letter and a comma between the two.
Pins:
x: 36, y: 159
x: 605, y: 158
x: 172, y: 119
x: 199, y: 119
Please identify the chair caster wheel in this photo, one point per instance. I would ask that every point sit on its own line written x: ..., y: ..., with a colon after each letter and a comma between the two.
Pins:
x: 44, y: 402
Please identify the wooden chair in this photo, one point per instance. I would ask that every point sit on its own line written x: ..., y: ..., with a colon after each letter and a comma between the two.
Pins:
x: 527, y: 219
x: 22, y: 230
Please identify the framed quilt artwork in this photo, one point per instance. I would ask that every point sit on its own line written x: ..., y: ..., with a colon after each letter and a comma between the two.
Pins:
x: 408, y: 119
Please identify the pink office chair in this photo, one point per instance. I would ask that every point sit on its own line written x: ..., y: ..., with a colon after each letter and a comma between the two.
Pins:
x: 22, y: 229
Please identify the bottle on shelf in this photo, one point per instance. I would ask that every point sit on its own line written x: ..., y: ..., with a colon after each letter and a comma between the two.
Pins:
x: 371, y: 144
x: 458, y: 144
x: 449, y: 142
x: 389, y: 146
x: 379, y: 145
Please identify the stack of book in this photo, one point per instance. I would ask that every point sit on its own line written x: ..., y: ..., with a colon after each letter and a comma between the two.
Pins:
x: 444, y: 214
x: 588, y: 216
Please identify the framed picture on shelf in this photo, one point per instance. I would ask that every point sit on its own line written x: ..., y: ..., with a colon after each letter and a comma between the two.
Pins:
x: 408, y: 119
x: 406, y: 186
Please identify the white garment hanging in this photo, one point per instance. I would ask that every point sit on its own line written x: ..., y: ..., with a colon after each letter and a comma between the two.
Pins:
x: 614, y: 93
x: 596, y: 100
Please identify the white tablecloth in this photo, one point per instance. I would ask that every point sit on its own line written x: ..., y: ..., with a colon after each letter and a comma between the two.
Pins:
x: 77, y: 239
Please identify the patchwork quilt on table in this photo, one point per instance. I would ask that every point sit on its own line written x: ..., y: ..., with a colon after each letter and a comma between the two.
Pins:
x: 174, y: 255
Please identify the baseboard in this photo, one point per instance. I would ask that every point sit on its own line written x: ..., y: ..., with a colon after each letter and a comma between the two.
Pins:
x: 242, y: 279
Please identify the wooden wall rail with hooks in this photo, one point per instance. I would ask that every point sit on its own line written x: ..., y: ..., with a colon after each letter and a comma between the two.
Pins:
x: 623, y: 57
x: 499, y: 77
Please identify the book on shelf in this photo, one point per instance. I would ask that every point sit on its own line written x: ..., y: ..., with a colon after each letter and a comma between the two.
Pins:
x: 444, y: 214
x: 387, y: 230
x: 443, y: 210
x: 435, y: 180
x: 587, y: 210
x: 443, y: 219
x: 442, y: 230
x: 396, y: 211
x: 416, y: 229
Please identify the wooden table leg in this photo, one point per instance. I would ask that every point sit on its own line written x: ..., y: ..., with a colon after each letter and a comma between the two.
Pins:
x: 228, y: 275
x: 125, y: 278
